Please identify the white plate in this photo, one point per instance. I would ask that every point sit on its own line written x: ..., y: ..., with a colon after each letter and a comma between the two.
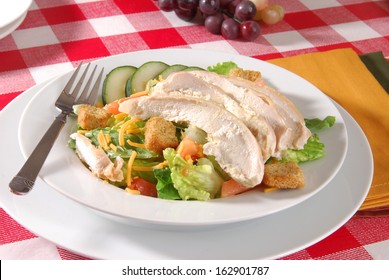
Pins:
x: 11, y: 10
x: 12, y: 14
x: 71, y: 226
x: 8, y: 29
x: 67, y: 174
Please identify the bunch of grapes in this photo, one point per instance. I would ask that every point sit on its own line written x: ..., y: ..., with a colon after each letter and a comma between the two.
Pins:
x: 231, y: 18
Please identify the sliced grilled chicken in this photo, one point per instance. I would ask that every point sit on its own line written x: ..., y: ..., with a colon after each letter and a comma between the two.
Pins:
x: 97, y: 160
x: 185, y: 84
x: 229, y: 140
x: 298, y: 133
x: 251, y: 102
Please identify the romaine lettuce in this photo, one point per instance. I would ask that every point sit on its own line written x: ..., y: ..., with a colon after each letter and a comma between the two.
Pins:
x: 313, y: 149
x: 193, y: 181
x: 318, y: 124
x: 223, y: 68
x: 165, y: 186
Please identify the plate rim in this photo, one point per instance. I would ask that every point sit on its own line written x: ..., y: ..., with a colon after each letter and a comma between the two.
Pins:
x: 148, y: 221
x: 18, y: 13
x: 12, y: 203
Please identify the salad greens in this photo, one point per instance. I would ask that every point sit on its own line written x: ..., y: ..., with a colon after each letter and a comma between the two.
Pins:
x: 200, y: 181
x: 165, y: 185
x: 223, y: 68
x: 318, y: 124
x: 314, y: 148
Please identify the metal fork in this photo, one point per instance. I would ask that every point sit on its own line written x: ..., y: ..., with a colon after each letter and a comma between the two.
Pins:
x: 24, y: 180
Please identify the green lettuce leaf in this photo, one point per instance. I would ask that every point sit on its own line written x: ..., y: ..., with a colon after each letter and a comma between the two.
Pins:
x: 123, y: 152
x: 199, y: 182
x: 165, y: 186
x: 222, y: 68
x: 313, y: 149
x: 318, y: 124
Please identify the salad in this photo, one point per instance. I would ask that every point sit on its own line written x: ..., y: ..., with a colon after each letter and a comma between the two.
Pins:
x: 185, y: 133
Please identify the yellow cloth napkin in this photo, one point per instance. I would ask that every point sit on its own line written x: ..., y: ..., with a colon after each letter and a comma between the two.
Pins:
x: 341, y: 75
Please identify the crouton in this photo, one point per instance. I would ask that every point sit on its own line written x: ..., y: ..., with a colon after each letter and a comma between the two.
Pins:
x: 250, y: 75
x: 160, y: 134
x: 282, y: 175
x: 91, y: 117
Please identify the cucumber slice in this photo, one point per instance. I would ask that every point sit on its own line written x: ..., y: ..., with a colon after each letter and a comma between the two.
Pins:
x: 174, y: 68
x: 146, y: 72
x: 194, y: 68
x: 115, y: 83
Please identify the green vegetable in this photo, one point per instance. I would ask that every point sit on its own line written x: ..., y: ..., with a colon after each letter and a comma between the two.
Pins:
x: 200, y: 181
x: 318, y: 124
x: 114, y: 86
x: 126, y: 151
x: 223, y: 68
x: 165, y: 186
x: 313, y: 149
x: 196, y: 134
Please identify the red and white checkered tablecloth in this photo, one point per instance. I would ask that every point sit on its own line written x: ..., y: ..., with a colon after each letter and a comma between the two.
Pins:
x: 57, y: 34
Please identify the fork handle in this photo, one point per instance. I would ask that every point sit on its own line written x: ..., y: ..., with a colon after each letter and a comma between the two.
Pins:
x: 24, y: 180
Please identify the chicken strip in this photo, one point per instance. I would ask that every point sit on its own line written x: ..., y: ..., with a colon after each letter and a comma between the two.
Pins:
x: 185, y: 84
x: 297, y: 134
x: 97, y: 160
x: 229, y: 140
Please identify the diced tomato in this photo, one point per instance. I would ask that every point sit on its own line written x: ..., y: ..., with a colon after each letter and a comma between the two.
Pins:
x: 144, y: 187
x: 113, y: 107
x: 189, y: 148
x: 232, y: 187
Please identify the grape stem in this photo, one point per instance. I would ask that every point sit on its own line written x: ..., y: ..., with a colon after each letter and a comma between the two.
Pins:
x: 227, y: 13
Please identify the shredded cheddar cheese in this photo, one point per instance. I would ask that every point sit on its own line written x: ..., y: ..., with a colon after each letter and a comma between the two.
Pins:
x: 121, y: 132
x: 102, y: 140
x: 123, y: 129
x: 134, y: 144
x: 160, y: 165
x: 133, y: 130
x: 107, y: 138
x: 142, y: 168
x: 150, y: 168
x: 82, y: 131
x: 120, y: 123
x: 129, y: 168
x: 132, y: 191
x: 138, y: 94
x: 120, y: 116
x: 113, y: 147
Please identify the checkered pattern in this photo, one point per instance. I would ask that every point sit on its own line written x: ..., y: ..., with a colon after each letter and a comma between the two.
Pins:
x: 57, y: 34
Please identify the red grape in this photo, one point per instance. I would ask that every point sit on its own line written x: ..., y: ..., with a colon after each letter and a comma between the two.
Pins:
x: 231, y: 18
x: 232, y: 6
x: 209, y: 7
x: 186, y: 15
x: 245, y: 10
x: 249, y: 30
x: 167, y: 5
x: 213, y: 23
x: 230, y: 28
x: 187, y: 4
x: 225, y: 3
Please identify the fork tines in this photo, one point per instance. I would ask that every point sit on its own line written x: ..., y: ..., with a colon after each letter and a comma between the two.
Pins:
x: 86, y: 96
